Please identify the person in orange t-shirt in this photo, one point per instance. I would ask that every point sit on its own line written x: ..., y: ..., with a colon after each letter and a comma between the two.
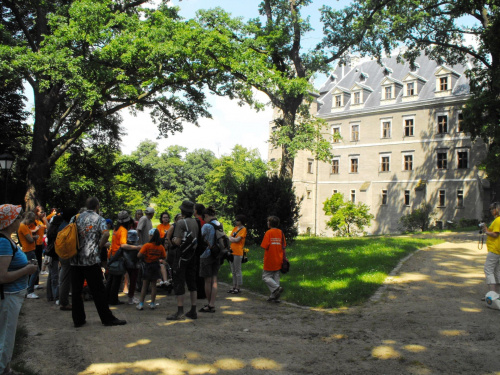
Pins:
x: 152, y: 252
x: 237, y: 239
x: 164, y: 225
x: 27, y: 236
x: 273, y: 243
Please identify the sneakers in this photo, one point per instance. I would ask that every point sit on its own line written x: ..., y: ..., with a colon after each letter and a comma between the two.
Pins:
x: 140, y: 306
x: 38, y: 287
x: 277, y: 293
x: 57, y: 303
x: 32, y: 296
x: 176, y: 316
x: 152, y: 305
x: 133, y: 301
x: 192, y: 315
x: 44, y: 273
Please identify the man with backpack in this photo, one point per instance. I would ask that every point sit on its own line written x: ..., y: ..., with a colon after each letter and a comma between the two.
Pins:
x: 86, y: 265
x: 185, y: 238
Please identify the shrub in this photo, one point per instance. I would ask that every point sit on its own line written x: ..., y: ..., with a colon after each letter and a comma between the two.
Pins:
x: 347, y: 218
x: 258, y: 198
x: 419, y: 218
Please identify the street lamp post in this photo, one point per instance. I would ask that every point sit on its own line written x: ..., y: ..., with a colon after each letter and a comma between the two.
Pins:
x: 6, y: 161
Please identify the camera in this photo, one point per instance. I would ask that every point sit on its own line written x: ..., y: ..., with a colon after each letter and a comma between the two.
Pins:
x: 481, y: 225
x: 226, y: 254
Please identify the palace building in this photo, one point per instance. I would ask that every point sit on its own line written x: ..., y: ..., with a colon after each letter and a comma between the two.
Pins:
x: 399, y: 143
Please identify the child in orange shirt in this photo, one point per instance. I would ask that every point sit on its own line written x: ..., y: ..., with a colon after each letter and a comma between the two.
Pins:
x: 273, y: 244
x: 152, y: 252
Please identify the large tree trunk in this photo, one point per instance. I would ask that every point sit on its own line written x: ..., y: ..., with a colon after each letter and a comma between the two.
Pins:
x: 39, y: 168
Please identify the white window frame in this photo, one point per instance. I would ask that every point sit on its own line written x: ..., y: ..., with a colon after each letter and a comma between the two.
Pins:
x: 335, y: 127
x: 414, y: 88
x: 460, y: 113
x: 460, y: 197
x: 442, y: 151
x: 447, y: 83
x: 310, y: 166
x: 351, y: 158
x: 441, y: 196
x: 467, y: 151
x: 339, y: 103
x: 407, y: 118
x: 337, y: 159
x: 359, y: 132
x: 438, y: 115
x: 360, y: 97
x: 382, y: 122
x: 406, y: 193
x: 384, y: 197
x: 403, y: 161
x: 388, y: 90
x: 381, y: 158
x: 353, y: 196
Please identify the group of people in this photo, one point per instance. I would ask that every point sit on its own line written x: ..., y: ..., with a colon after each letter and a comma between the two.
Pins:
x: 180, y: 254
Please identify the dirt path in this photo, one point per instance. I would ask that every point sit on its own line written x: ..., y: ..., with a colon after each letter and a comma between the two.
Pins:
x: 429, y: 320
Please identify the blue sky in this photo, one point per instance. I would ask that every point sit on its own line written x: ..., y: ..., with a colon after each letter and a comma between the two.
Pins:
x: 231, y: 124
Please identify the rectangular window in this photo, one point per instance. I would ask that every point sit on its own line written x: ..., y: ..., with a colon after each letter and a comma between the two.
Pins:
x: 442, y: 124
x: 443, y: 83
x: 460, y: 121
x: 355, y: 133
x: 407, y: 197
x: 460, y: 198
x: 408, y: 162
x: 442, y: 160
x: 388, y: 92
x: 386, y: 129
x: 335, y: 191
x: 338, y: 101
x: 353, y: 196
x: 335, y: 166
x: 410, y: 89
x: 357, y: 97
x: 384, y: 197
x: 310, y: 163
x: 385, y: 164
x: 442, y: 198
x: 409, y: 127
x: 463, y: 159
x: 354, y: 165
x: 336, y: 134
x: 308, y: 194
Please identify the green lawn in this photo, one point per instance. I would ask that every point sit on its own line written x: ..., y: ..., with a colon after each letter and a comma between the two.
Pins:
x: 331, y: 272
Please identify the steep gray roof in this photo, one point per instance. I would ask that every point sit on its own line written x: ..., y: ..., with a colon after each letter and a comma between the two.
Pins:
x: 374, y: 73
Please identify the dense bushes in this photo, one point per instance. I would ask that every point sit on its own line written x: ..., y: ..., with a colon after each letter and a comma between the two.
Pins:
x: 419, y: 218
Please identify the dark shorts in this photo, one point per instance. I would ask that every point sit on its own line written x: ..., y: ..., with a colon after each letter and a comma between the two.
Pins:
x: 209, y: 267
x: 185, y: 274
x: 152, y: 271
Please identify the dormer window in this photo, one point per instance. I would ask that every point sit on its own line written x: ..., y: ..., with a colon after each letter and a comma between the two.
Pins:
x: 338, y: 100
x: 410, y: 89
x: 443, y: 83
x: 388, y: 92
x: 357, y: 97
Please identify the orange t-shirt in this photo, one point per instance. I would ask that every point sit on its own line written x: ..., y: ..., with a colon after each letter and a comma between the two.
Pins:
x: 41, y: 232
x: 237, y: 247
x: 273, y: 256
x: 119, y: 238
x: 153, y: 253
x: 22, y: 232
x: 163, y: 229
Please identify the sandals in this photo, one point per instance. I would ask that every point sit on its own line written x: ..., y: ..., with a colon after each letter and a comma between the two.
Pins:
x: 231, y: 290
x: 207, y: 309
x: 234, y: 291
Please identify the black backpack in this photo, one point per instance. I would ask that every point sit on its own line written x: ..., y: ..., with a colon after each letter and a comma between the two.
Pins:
x: 14, y: 249
x: 189, y: 244
x: 221, y: 244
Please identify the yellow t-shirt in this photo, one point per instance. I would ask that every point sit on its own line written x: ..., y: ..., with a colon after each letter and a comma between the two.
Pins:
x: 237, y: 247
x: 493, y: 244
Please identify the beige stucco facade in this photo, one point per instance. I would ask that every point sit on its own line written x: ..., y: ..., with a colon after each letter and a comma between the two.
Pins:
x: 394, y: 156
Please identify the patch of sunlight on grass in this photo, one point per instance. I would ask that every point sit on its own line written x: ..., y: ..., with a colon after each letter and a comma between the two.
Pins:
x: 202, y: 369
x: 238, y: 312
x: 265, y: 364
x: 334, y: 337
x: 229, y: 364
x: 468, y: 309
x: 337, y: 284
x: 415, y: 348
x: 375, y: 277
x: 138, y: 343
x: 389, y: 342
x: 453, y: 332
x: 237, y: 299
x: 385, y: 352
x: 348, y: 271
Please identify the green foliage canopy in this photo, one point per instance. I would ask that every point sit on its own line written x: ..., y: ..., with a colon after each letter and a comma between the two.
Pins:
x: 347, y: 218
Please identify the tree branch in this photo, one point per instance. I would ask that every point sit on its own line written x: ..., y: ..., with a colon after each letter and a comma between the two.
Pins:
x: 21, y: 24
